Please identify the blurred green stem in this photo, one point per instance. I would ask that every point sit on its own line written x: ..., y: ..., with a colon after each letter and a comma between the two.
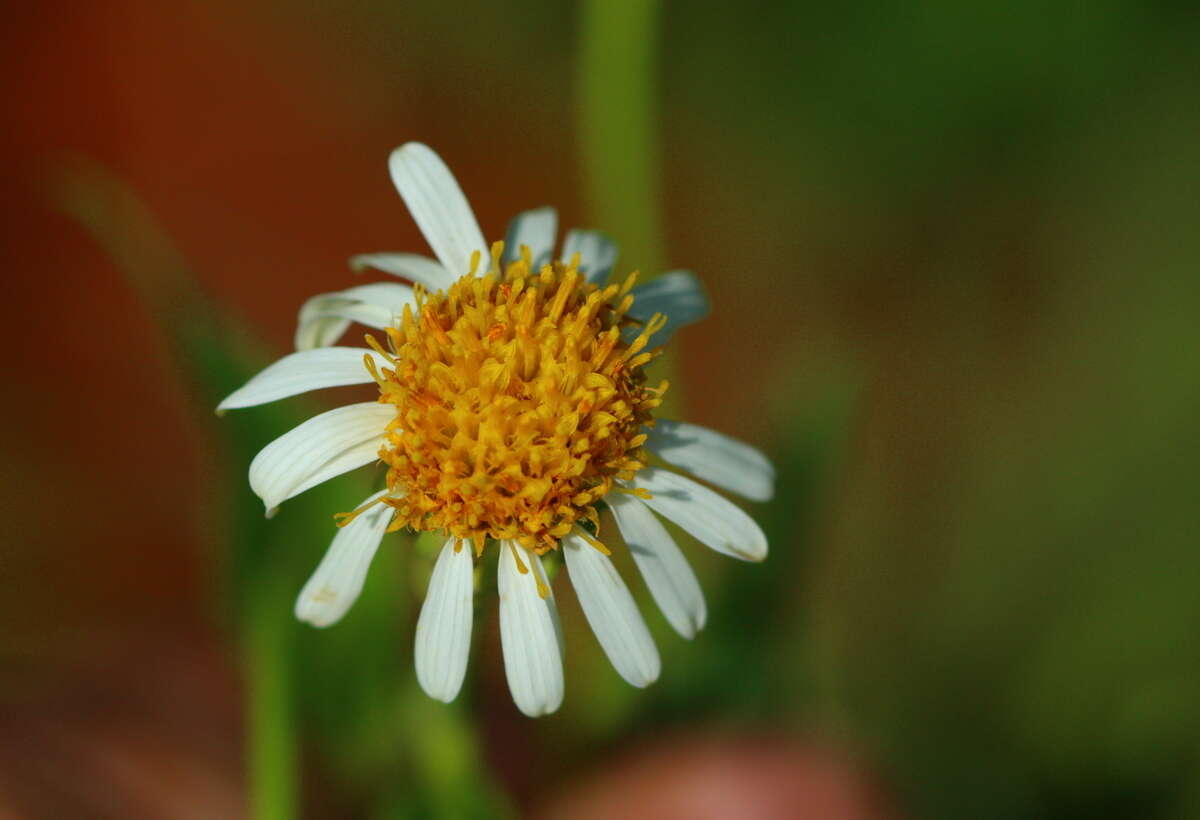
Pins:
x: 618, y: 134
x: 617, y: 125
x: 270, y: 741
x: 122, y: 224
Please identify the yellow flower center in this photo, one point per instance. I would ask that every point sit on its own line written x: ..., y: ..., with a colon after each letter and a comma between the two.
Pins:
x: 520, y: 399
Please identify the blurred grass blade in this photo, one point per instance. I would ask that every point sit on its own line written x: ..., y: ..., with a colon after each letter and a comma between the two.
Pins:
x: 200, y: 352
x: 617, y: 126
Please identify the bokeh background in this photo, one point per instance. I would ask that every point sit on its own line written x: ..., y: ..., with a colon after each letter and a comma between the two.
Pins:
x: 952, y: 252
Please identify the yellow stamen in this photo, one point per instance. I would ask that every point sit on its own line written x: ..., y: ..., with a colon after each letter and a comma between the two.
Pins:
x: 521, y: 568
x: 596, y: 545
x: 344, y: 518
x: 369, y: 363
x: 374, y: 344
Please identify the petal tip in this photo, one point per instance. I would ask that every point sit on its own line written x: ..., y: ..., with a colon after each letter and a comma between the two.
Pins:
x: 648, y: 673
x: 541, y: 709
x: 645, y: 680
x: 439, y: 690
x: 757, y: 556
x: 315, y: 617
x: 409, y: 149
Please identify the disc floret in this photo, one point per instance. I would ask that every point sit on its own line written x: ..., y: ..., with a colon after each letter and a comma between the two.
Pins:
x: 520, y: 401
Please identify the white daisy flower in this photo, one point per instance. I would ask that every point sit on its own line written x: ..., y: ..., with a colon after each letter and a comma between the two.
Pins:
x: 513, y: 407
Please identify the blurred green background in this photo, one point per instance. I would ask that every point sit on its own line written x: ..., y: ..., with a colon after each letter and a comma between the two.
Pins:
x: 952, y: 252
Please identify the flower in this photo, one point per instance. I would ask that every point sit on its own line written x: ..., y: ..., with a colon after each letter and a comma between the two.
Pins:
x: 513, y: 407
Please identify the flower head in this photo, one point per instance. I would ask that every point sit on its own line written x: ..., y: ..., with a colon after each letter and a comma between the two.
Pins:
x: 513, y: 409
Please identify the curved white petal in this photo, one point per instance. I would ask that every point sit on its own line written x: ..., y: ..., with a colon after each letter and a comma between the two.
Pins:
x: 300, y: 372
x: 320, y: 448
x: 437, y: 206
x: 349, y: 459
x: 611, y: 611
x: 671, y: 580
x: 338, y: 580
x: 529, y: 634
x: 326, y: 316
x: 714, y: 457
x: 321, y: 330
x: 444, y: 626
x: 678, y: 294
x: 391, y: 295
x: 536, y: 230
x: 411, y: 266
x: 375, y: 316
x: 597, y: 253
x: 711, y: 519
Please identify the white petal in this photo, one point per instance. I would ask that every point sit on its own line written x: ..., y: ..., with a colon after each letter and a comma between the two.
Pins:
x: 410, y: 266
x: 321, y: 330
x: 444, y: 627
x: 326, y: 316
x: 300, y: 372
x: 529, y: 634
x: 711, y: 519
x: 437, y: 206
x: 327, y: 327
x: 667, y: 573
x: 535, y: 229
x: 320, y: 448
x: 677, y: 294
x: 375, y: 316
x: 611, y: 611
x: 345, y: 461
x: 597, y: 253
x: 335, y: 585
x: 714, y: 457
x: 391, y: 295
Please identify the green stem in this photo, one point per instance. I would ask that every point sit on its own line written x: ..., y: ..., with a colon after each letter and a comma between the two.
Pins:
x: 270, y: 738
x: 618, y: 135
x: 619, y: 99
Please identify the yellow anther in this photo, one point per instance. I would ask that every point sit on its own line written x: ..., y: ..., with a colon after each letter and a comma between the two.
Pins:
x: 374, y: 344
x: 521, y: 568
x: 344, y: 518
x: 372, y: 368
x: 497, y: 252
x: 592, y: 542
